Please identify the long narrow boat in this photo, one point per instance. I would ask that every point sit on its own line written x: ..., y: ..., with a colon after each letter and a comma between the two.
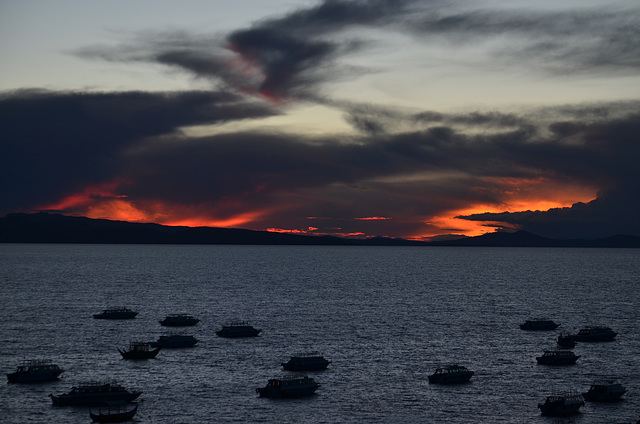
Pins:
x: 113, y: 414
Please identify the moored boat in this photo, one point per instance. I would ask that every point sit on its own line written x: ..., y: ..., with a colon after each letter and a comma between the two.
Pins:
x: 296, y: 386
x: 539, y: 324
x: 35, y: 371
x: 560, y: 404
x: 557, y: 357
x: 116, y: 313
x: 605, y: 391
x: 95, y: 394
x: 311, y: 361
x: 595, y: 334
x: 172, y: 341
x: 179, y: 320
x: 238, y: 329
x: 566, y: 340
x: 116, y: 414
x: 139, y: 350
x: 452, y: 374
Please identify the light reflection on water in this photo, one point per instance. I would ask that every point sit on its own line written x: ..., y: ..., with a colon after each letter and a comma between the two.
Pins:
x: 386, y: 317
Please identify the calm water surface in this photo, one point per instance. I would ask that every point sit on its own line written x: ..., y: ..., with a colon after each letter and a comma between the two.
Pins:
x: 386, y: 317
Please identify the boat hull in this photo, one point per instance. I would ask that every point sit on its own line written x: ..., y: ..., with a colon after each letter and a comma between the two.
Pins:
x: 119, y: 315
x: 40, y: 377
x: 234, y: 334
x: 315, y: 365
x: 98, y: 399
x: 560, y: 410
x: 456, y: 378
x: 113, y: 417
x: 139, y: 355
x: 273, y: 393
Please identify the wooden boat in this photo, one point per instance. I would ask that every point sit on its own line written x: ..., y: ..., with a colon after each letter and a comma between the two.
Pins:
x: 539, y: 324
x: 35, y: 371
x: 311, y: 361
x: 297, y: 386
x: 452, y: 374
x: 238, y: 329
x: 557, y: 357
x: 116, y: 313
x: 95, y: 394
x: 113, y: 414
x: 595, y: 334
x: 605, y: 391
x: 179, y: 320
x: 139, y: 350
x: 560, y: 404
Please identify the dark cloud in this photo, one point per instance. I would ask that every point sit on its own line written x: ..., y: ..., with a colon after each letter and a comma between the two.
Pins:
x: 54, y: 143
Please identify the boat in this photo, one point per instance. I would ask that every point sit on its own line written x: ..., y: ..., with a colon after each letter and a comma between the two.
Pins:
x: 179, y: 320
x: 238, y: 329
x: 116, y: 313
x: 115, y: 414
x: 595, y: 334
x: 557, y: 357
x: 296, y: 386
x: 35, y: 371
x: 605, y: 391
x: 560, y: 404
x: 174, y: 341
x: 311, y: 361
x: 95, y: 394
x: 566, y: 340
x: 539, y: 324
x: 452, y: 374
x: 139, y: 350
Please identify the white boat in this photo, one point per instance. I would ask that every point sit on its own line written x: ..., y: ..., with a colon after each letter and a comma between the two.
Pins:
x: 452, y: 374
x: 595, y: 334
x: 35, y: 371
x: 605, y: 391
x: 311, y: 361
x: 297, y: 386
x: 557, y: 357
x: 560, y: 404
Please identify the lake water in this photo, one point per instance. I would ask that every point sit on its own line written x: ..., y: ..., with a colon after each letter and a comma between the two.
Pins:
x: 385, y: 316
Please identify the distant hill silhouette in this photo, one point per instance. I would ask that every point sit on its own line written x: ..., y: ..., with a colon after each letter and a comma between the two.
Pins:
x: 54, y: 228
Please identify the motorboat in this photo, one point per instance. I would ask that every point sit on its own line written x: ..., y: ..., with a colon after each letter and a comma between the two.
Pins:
x: 560, y: 404
x: 311, y: 361
x: 238, y: 329
x: 116, y: 313
x: 595, y: 334
x: 35, y: 371
x: 114, y: 414
x: 95, y: 394
x: 452, y: 374
x: 566, y: 340
x: 557, y: 357
x: 539, y: 324
x: 179, y: 320
x: 605, y: 391
x: 139, y: 350
x: 174, y: 341
x: 296, y: 386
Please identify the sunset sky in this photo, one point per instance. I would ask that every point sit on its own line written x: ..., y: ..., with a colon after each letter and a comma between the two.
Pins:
x: 398, y: 118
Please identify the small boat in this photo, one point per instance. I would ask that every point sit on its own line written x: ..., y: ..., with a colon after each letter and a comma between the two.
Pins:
x: 539, y: 324
x: 174, y: 341
x: 95, y: 394
x: 605, y: 391
x: 595, y: 334
x: 566, y: 340
x: 115, y: 414
x: 116, y: 313
x: 557, y: 357
x: 238, y: 329
x: 560, y: 404
x: 35, y: 371
x: 311, y: 361
x: 452, y: 374
x: 139, y: 350
x: 288, y: 387
x: 179, y: 320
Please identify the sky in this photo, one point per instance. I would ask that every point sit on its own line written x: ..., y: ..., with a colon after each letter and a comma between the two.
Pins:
x: 419, y: 119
